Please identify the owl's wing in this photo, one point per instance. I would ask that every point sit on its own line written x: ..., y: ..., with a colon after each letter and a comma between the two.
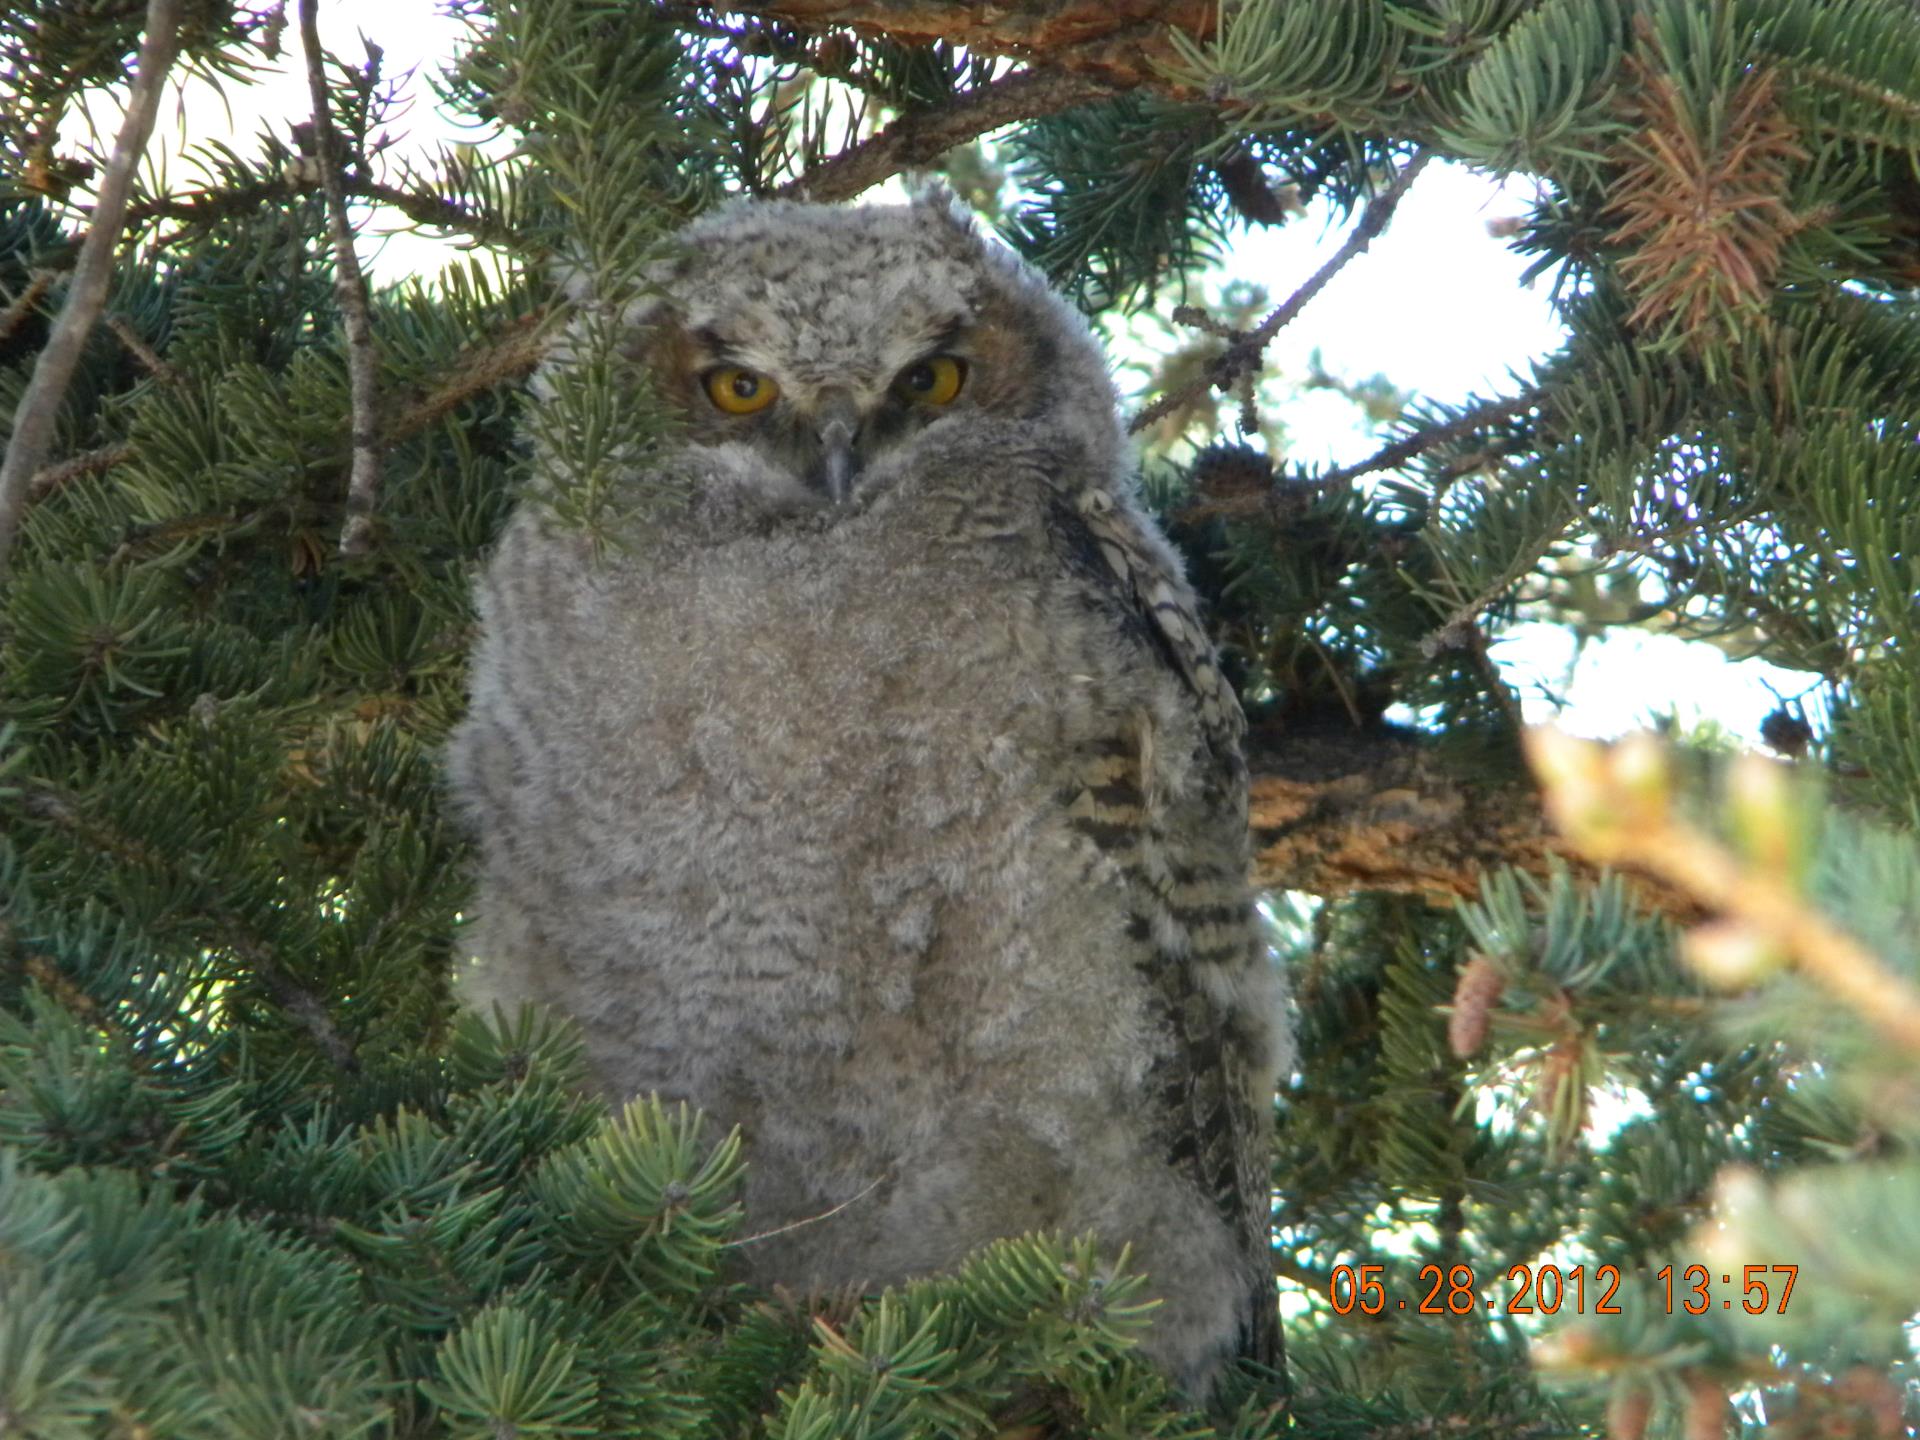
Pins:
x: 1191, y: 915
x: 1146, y: 574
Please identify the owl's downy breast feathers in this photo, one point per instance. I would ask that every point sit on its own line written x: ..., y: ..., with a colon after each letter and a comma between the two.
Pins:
x: 899, y: 822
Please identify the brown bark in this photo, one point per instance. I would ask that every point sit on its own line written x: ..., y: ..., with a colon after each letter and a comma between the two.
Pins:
x: 349, y: 292
x: 1338, y: 811
x: 1119, y: 42
x: 922, y: 136
x: 93, y: 274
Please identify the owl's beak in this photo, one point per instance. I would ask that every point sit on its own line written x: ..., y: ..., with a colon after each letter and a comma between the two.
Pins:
x: 837, y: 424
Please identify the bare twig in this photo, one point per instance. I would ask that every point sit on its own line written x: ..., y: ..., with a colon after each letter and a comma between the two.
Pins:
x: 23, y: 303
x: 510, y: 355
x: 1411, y: 446
x: 137, y: 346
x: 1245, y: 349
x: 923, y: 136
x: 91, y: 462
x: 806, y: 1220
x: 1246, y: 501
x: 306, y: 1008
x: 350, y: 290
x: 33, y: 422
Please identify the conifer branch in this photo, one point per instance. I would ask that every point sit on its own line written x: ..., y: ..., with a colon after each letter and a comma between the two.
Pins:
x: 23, y: 304
x: 1317, y: 1282
x: 211, y: 207
x: 784, y: 46
x: 1415, y: 444
x: 91, y: 462
x: 1879, y: 96
x: 33, y: 422
x: 500, y: 359
x: 432, y: 210
x: 1246, y: 349
x: 306, y: 1009
x: 137, y: 346
x: 1235, y: 497
x: 138, y: 538
x: 214, y: 207
x: 1705, y: 217
x: 47, y: 803
x: 45, y: 971
x: 1615, y: 805
x: 922, y: 136
x: 350, y: 290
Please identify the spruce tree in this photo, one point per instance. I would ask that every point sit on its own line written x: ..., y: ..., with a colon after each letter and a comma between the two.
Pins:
x: 260, y: 1177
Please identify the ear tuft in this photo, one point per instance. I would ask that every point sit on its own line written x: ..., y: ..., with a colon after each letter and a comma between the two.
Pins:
x: 936, y: 201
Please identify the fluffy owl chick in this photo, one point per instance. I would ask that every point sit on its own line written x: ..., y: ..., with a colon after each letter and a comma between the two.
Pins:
x: 884, y: 800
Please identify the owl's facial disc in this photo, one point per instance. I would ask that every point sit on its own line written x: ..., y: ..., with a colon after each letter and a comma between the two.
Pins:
x: 850, y: 433
x: 826, y: 431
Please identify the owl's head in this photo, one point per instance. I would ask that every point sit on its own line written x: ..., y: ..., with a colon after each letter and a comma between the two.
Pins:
x: 809, y: 347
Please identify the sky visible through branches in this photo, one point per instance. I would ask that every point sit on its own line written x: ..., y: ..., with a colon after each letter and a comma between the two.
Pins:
x: 1436, y: 307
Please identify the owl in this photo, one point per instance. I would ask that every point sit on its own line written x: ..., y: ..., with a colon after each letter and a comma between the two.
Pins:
x: 883, y: 797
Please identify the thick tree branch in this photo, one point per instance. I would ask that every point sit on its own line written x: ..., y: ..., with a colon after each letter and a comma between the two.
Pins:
x: 923, y: 136
x: 33, y: 422
x: 1120, y: 43
x: 1337, y: 810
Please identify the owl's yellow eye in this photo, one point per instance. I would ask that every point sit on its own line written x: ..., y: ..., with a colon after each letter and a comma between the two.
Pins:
x: 740, y: 392
x: 932, y: 382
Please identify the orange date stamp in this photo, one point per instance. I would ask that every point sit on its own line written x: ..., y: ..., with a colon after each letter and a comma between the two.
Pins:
x: 1549, y: 1289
